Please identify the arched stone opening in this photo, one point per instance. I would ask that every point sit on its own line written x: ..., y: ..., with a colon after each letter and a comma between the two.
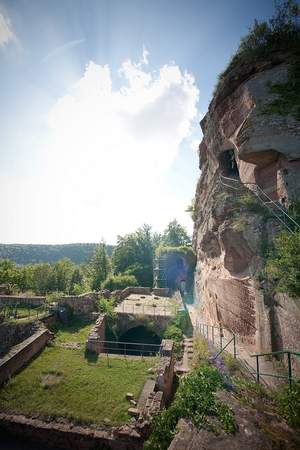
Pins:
x: 228, y: 165
x: 147, y: 339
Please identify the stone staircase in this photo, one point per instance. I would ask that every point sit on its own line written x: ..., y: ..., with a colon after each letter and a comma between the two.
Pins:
x: 275, y: 208
x: 183, y: 366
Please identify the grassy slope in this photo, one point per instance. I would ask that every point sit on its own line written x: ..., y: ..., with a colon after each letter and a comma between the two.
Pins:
x: 83, y: 391
x: 77, y: 330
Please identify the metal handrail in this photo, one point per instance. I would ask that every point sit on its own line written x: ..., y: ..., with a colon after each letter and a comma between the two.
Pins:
x: 262, y: 192
x: 280, y: 352
x: 201, y: 326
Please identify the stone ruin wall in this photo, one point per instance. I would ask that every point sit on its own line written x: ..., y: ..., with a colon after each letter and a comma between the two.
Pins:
x: 13, y: 300
x: 80, y: 304
x: 22, y: 353
x: 228, y: 244
x: 13, y: 333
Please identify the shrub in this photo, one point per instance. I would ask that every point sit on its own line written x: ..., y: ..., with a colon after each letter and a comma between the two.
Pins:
x: 121, y: 281
x: 283, y: 262
x: 175, y: 333
x: 201, y: 352
x: 280, y: 33
x: 195, y: 400
x: 288, y: 401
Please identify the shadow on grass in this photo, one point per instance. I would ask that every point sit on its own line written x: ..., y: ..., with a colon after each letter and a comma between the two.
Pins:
x: 91, y: 357
x: 74, y: 325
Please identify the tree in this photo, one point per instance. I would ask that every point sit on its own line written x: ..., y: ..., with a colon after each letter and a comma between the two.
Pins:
x: 119, y: 282
x: 175, y: 235
x: 133, y: 255
x: 62, y: 275
x: 98, y: 268
x: 9, y: 274
x: 42, y: 282
x: 76, y: 282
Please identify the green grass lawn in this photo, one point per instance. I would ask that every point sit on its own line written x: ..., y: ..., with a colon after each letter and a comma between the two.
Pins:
x: 63, y: 383
x: 76, y: 330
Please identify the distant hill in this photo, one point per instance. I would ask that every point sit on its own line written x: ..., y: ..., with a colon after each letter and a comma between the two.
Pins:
x: 31, y: 253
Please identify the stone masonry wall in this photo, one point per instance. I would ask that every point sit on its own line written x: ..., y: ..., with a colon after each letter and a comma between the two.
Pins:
x: 13, y: 300
x: 13, y: 333
x: 97, y: 335
x: 80, y: 304
x: 22, y: 353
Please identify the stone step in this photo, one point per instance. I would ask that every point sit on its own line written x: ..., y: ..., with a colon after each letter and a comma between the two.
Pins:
x: 148, y: 387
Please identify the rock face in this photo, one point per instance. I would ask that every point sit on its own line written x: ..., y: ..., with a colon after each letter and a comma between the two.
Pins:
x: 251, y: 148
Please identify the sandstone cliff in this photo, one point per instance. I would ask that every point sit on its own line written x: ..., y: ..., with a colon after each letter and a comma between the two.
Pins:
x: 243, y: 143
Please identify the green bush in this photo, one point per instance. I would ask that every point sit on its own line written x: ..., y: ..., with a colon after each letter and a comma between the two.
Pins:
x: 119, y: 282
x: 175, y: 333
x: 195, y: 400
x: 288, y: 401
x: 280, y: 34
x: 283, y: 263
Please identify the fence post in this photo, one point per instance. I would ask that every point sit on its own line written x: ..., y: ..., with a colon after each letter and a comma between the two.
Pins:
x: 213, y: 334
x: 221, y: 339
x: 290, y: 369
x: 234, y: 346
x: 257, y: 369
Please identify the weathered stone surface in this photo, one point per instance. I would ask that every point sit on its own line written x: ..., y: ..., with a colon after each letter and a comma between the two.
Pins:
x: 22, y: 353
x: 250, y: 435
x: 13, y: 333
x: 80, y: 304
x: 227, y: 238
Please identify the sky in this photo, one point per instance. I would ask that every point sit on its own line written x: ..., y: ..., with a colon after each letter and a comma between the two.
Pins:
x: 100, y: 103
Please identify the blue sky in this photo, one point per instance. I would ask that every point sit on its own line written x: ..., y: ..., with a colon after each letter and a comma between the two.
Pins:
x: 99, y: 107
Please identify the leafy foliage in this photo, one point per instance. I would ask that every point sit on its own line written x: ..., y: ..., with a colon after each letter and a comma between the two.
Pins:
x: 195, y: 400
x: 282, y: 265
x: 175, y: 235
x: 280, y: 33
x: 118, y: 282
x: 133, y: 254
x: 178, y: 326
x: 288, y: 401
x: 63, y: 276
x: 99, y: 267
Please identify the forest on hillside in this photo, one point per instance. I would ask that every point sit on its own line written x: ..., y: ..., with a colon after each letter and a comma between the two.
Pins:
x: 31, y: 253
x: 128, y: 263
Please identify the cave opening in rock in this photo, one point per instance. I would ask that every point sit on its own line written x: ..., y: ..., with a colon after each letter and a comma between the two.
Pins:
x: 228, y: 165
x: 146, y: 337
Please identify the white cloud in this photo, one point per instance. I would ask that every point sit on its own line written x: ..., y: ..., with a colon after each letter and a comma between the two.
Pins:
x: 106, y: 158
x: 6, y: 33
x: 110, y: 149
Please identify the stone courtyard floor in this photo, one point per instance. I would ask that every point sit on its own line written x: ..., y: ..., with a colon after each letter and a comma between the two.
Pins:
x: 149, y: 305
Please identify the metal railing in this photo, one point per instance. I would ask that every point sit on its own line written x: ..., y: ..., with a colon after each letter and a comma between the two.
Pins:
x: 216, y: 335
x: 274, y: 207
x: 19, y: 312
x: 129, y: 348
x: 288, y: 377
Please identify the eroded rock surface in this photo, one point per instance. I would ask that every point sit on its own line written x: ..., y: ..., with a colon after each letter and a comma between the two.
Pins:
x: 251, y: 148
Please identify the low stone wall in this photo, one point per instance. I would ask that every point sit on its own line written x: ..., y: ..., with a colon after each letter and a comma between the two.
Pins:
x: 66, y: 436
x: 162, y: 292
x: 13, y: 300
x: 13, y: 333
x: 96, y: 337
x: 20, y: 354
x: 139, y: 290
x: 80, y: 304
x: 165, y: 370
